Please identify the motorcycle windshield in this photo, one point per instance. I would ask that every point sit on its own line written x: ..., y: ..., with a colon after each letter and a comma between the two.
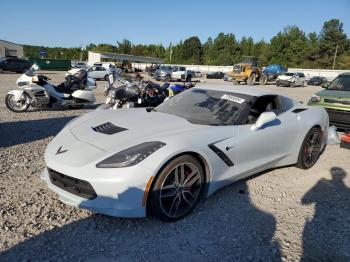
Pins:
x: 32, y: 70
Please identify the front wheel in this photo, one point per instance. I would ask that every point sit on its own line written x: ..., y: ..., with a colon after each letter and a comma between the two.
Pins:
x: 263, y: 80
x: 167, y: 78
x: 106, y: 78
x: 292, y: 85
x: 311, y: 148
x: 17, y: 106
x: 1, y: 70
x: 177, y: 189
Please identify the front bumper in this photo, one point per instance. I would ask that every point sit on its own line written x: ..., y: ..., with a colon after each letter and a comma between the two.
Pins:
x: 283, y: 82
x: 338, y: 117
x: 119, y: 194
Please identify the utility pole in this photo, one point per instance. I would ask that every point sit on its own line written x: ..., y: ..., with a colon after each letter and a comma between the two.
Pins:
x: 171, y: 51
x: 335, y: 55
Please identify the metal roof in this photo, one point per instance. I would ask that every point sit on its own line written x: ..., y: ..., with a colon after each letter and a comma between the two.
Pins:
x: 8, y: 42
x: 132, y: 58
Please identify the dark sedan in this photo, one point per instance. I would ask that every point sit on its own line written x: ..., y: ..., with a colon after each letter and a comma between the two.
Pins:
x: 317, y: 81
x: 216, y: 75
x: 17, y: 65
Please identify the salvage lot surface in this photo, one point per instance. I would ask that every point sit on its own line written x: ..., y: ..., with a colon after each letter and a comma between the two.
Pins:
x: 282, y: 214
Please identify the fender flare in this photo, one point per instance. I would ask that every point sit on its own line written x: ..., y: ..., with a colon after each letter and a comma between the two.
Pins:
x: 16, y: 93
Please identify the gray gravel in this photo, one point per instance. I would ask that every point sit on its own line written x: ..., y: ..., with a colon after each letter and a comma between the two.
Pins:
x: 286, y: 214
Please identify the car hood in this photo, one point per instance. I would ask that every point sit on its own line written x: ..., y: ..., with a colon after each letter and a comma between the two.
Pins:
x: 127, y: 127
x: 284, y: 77
x: 334, y: 94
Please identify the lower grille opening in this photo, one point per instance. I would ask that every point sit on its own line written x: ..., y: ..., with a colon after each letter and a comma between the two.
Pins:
x: 72, y: 185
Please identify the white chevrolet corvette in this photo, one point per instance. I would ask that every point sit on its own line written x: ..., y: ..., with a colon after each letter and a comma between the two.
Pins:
x: 161, y: 161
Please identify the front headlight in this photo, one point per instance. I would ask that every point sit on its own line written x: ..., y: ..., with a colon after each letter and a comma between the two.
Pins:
x: 315, y: 99
x: 131, y: 156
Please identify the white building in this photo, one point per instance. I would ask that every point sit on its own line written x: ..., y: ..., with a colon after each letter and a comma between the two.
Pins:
x: 8, y: 49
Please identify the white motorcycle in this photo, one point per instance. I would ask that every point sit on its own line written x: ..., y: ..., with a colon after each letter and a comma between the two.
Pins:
x: 36, y: 91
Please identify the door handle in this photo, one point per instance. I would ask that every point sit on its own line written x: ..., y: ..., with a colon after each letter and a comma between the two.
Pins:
x: 228, y: 148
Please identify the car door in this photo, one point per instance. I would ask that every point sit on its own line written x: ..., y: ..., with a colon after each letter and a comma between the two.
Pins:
x: 101, y: 72
x: 92, y: 72
x: 175, y: 73
x: 261, y: 149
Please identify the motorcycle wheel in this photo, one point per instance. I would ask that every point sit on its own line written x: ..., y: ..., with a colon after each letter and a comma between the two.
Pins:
x: 17, y: 107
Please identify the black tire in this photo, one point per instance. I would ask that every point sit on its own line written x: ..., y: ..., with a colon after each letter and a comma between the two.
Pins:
x: 167, y: 78
x: 263, y: 80
x: 251, y: 79
x: 235, y: 82
x: 106, y: 78
x: 8, y: 104
x: 292, y: 85
x: 183, y: 198
x: 310, y: 149
x: 188, y: 78
x: 1, y: 70
x: 75, y: 106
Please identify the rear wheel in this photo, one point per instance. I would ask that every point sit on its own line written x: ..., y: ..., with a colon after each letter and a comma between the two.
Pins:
x: 1, y: 70
x: 106, y: 78
x: 251, y: 79
x: 17, y: 106
x: 310, y: 149
x: 177, y: 189
x: 292, y: 85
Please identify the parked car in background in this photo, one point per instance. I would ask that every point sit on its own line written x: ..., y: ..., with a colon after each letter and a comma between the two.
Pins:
x: 79, y: 65
x: 270, y: 73
x: 18, y: 65
x: 336, y: 100
x: 317, y: 81
x: 198, y: 74
x: 168, y: 73
x: 227, y: 77
x: 216, y: 75
x: 291, y: 79
x: 101, y: 71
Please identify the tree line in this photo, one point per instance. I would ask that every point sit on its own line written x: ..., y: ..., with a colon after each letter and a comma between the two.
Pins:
x: 291, y: 47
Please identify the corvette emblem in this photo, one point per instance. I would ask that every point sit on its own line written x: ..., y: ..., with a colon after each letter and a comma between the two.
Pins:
x: 60, y: 151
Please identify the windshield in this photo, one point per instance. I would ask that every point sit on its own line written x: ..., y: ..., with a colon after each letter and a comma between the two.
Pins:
x: 206, y: 107
x: 289, y: 74
x: 341, y: 83
x: 32, y: 70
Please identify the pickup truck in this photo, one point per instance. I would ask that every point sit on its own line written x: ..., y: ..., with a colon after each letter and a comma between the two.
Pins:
x: 177, y: 73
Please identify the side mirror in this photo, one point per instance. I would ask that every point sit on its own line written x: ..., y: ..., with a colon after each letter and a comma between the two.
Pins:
x: 324, y: 86
x: 263, y: 119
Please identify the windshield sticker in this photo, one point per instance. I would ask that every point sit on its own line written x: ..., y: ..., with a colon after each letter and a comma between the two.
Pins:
x: 233, y: 98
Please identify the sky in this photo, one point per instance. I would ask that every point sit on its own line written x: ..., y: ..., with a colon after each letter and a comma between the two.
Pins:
x: 80, y: 22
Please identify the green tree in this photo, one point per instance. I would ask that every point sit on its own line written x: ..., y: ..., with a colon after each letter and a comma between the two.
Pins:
x: 332, y: 34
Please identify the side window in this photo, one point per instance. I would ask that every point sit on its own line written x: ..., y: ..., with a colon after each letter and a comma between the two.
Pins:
x: 182, y: 69
x: 175, y: 69
x: 268, y: 103
x: 302, y: 75
x: 286, y: 102
x: 100, y: 68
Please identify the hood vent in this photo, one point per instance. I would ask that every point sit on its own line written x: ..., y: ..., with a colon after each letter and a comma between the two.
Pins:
x: 108, y: 129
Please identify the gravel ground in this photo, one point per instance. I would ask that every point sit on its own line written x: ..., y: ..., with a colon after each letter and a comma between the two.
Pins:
x: 286, y: 214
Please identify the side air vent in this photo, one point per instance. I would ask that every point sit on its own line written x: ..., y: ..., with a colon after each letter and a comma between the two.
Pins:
x: 221, y: 154
x: 108, y: 129
x: 298, y: 110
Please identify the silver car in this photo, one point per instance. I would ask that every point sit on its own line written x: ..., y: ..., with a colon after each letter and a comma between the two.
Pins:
x: 101, y: 71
